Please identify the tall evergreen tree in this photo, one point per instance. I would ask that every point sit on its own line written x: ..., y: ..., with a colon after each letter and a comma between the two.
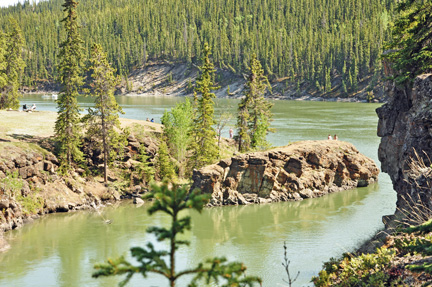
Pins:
x: 411, y: 40
x: 13, y: 67
x: 67, y: 128
x: 243, y: 137
x: 164, y: 164
x: 254, y: 111
x: 104, y: 117
x: 3, y: 76
x: 204, y: 148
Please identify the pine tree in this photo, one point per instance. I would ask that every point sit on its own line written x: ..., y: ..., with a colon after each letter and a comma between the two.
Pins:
x: 254, y: 111
x: 14, y: 67
x: 411, y: 41
x: 145, y: 168
x: 243, y: 137
x: 3, y: 76
x: 172, y: 200
x: 104, y: 117
x: 204, y: 148
x: 67, y: 128
x: 164, y: 164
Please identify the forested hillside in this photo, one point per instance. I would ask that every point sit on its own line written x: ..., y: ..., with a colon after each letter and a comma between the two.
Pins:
x: 299, y: 40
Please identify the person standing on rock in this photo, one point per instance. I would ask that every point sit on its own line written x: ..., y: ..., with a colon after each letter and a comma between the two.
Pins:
x: 231, y: 133
x: 329, y: 137
x: 335, y: 137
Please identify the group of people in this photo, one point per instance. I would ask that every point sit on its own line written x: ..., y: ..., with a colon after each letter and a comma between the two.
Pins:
x: 31, y: 109
x: 332, y: 138
x: 152, y: 120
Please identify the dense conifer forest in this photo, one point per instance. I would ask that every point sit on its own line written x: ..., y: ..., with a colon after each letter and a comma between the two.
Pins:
x: 302, y: 40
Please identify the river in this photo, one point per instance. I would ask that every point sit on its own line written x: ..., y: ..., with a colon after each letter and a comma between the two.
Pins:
x: 61, y: 249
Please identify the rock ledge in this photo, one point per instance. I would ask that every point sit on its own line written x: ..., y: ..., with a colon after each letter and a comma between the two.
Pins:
x: 301, y: 170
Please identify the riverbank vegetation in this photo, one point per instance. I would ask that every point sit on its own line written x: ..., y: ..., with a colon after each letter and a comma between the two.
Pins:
x: 404, y: 260
x: 325, y: 44
x: 404, y: 257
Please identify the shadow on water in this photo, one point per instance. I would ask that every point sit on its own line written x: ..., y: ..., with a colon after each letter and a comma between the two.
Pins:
x: 71, y: 243
x: 61, y: 249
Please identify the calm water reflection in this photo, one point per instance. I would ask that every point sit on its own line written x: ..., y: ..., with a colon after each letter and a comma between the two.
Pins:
x: 60, y: 250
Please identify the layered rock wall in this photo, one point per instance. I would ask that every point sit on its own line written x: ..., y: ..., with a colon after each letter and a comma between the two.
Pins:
x: 302, y: 170
x: 405, y: 151
x: 30, y: 185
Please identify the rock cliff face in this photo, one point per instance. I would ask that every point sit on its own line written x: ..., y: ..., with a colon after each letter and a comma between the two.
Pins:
x: 405, y: 151
x: 30, y: 185
x: 302, y: 170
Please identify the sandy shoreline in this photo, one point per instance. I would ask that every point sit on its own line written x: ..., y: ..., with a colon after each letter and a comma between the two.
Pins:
x: 15, y: 124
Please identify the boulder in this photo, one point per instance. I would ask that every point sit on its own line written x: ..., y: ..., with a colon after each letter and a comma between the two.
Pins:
x: 138, y: 200
x: 302, y: 170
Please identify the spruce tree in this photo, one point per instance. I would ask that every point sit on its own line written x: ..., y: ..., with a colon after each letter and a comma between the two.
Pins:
x: 254, y: 111
x: 243, y: 137
x: 164, y: 164
x: 67, y: 126
x: 204, y: 148
x: 104, y: 117
x: 411, y: 40
x: 173, y: 200
x: 3, y: 76
x: 13, y: 67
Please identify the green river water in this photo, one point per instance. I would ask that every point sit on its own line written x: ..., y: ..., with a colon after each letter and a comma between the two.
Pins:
x: 61, y: 249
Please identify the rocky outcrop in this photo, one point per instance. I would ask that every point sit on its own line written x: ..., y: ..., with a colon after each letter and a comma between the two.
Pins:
x: 301, y: 170
x: 405, y: 151
x: 30, y: 187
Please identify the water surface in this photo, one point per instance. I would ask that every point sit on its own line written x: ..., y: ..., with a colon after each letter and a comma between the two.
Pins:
x: 61, y: 249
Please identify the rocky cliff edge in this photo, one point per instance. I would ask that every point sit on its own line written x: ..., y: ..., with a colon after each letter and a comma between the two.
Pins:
x: 405, y: 126
x: 301, y: 170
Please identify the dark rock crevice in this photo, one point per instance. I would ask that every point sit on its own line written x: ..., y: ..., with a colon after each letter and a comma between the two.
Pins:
x: 405, y: 128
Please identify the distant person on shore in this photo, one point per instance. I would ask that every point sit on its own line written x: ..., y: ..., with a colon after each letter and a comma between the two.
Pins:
x: 231, y: 133
x: 24, y: 107
x: 329, y: 137
x: 148, y: 119
x: 152, y: 120
x: 32, y: 109
x: 335, y: 137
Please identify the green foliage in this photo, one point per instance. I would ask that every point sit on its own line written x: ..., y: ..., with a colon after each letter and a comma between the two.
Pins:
x: 370, y: 96
x: 425, y: 227
x: 421, y: 244
x: 145, y: 170
x: 411, y: 40
x: 178, y: 123
x: 11, y: 184
x: 292, y: 38
x: 363, y: 270
x: 164, y: 164
x: 103, y: 119
x: 3, y: 76
x: 254, y: 111
x: 31, y: 204
x: 11, y: 66
x: 67, y: 129
x: 172, y: 200
x: 203, y: 147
